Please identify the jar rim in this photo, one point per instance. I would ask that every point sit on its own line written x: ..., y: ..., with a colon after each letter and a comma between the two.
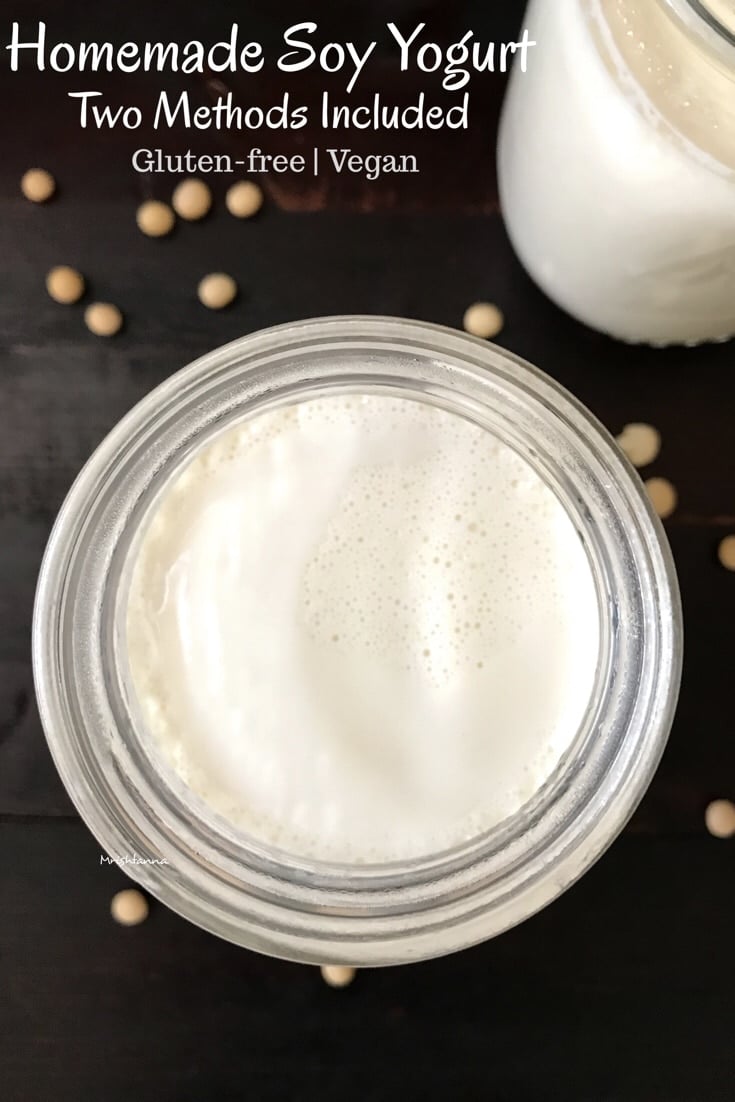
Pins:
x: 368, y: 914
x: 707, y: 25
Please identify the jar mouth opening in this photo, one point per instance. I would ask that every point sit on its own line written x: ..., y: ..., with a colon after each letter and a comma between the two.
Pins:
x: 334, y: 873
x: 314, y: 910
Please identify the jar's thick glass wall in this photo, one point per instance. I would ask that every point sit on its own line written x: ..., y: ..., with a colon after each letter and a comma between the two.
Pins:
x: 259, y: 896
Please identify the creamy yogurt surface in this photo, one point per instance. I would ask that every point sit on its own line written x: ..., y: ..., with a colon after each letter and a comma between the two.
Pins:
x: 361, y: 628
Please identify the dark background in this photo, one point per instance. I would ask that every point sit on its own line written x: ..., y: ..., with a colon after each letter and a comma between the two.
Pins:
x: 622, y: 989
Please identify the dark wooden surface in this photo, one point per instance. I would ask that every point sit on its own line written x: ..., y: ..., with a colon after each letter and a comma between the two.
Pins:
x: 623, y: 989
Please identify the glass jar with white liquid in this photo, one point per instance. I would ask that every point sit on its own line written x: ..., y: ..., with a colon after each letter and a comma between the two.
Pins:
x: 616, y: 164
x: 360, y: 637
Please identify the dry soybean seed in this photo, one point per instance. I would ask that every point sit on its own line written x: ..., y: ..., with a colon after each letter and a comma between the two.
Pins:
x: 103, y: 319
x: 726, y: 552
x: 217, y: 290
x: 337, y: 975
x: 129, y: 907
x: 154, y: 218
x: 244, y: 199
x: 663, y: 496
x: 640, y: 442
x: 191, y: 199
x: 720, y: 818
x: 38, y: 185
x: 65, y: 285
x: 483, y: 319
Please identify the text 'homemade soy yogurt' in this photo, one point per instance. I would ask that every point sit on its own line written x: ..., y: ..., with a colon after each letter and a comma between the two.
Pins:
x: 361, y: 628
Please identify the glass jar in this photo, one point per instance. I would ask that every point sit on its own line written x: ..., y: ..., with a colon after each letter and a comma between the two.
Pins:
x: 262, y: 897
x: 616, y: 164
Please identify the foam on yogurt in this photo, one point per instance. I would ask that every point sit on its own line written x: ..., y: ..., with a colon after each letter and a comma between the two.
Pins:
x: 361, y: 628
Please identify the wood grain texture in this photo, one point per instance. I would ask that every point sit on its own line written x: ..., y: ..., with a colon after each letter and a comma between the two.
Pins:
x: 619, y: 991
x: 622, y: 990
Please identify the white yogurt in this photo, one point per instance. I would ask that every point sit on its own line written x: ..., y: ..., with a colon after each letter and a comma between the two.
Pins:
x: 361, y: 628
x: 617, y: 168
